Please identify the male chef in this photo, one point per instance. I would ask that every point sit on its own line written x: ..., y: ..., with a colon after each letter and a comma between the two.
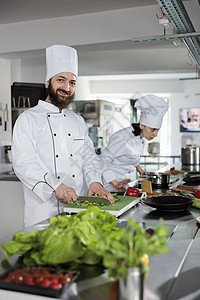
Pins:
x: 52, y: 153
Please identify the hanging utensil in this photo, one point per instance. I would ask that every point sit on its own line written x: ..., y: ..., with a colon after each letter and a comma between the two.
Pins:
x: 5, y: 117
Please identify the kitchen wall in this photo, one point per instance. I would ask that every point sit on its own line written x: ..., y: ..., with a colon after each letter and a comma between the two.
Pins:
x: 189, y: 98
x: 5, y: 96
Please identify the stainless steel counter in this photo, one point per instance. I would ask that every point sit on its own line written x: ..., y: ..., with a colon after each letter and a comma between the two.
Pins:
x: 173, y: 275
x: 8, y: 176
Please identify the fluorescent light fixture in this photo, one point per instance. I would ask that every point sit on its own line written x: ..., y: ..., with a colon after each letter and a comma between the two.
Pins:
x: 166, y: 37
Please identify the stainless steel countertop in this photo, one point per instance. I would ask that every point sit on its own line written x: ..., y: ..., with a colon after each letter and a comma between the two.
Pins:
x: 173, y: 275
x: 8, y: 176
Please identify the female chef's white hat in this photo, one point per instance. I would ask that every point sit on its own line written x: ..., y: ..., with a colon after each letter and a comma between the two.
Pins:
x: 152, y: 110
x: 61, y: 59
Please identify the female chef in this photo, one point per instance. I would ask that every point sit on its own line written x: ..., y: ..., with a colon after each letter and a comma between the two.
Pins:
x: 125, y: 147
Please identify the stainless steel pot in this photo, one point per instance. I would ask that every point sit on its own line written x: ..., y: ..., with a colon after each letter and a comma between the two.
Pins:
x: 158, y: 178
x: 190, y: 155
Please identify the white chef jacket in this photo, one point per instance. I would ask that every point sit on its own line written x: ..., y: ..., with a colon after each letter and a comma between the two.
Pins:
x: 49, y: 148
x: 121, y: 156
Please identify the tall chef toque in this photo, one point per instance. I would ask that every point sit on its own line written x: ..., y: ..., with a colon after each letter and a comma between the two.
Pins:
x: 61, y: 59
x: 152, y: 110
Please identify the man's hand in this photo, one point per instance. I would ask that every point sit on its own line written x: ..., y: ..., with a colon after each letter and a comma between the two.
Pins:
x: 97, y: 188
x: 65, y: 194
x: 120, y: 184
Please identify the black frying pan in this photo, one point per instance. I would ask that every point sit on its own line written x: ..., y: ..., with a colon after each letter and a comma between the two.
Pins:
x: 169, y: 203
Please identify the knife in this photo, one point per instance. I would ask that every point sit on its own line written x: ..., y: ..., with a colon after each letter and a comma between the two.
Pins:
x: 100, y: 201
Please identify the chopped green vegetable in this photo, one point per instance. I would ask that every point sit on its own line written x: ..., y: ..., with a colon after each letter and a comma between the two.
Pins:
x: 96, y: 203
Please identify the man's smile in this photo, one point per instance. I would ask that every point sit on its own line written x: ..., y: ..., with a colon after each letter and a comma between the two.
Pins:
x: 63, y: 92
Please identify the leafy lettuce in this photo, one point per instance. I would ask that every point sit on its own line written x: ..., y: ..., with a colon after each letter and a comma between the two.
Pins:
x: 67, y: 239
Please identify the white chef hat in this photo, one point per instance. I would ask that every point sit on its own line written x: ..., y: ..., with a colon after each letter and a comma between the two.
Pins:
x: 152, y: 110
x: 61, y: 59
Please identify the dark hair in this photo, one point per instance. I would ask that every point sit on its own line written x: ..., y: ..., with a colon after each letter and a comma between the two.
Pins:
x: 137, y: 129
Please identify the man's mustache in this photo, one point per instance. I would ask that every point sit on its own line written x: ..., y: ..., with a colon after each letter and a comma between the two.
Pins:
x: 64, y: 91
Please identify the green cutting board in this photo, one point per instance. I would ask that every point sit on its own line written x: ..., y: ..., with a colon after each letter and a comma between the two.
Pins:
x: 116, y: 208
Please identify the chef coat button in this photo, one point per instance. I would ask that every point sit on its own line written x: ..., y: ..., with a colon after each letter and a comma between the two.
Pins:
x: 54, y: 134
x: 69, y: 134
x: 58, y: 177
x: 64, y: 115
x: 49, y: 116
x: 73, y: 175
x: 71, y: 155
x: 57, y: 155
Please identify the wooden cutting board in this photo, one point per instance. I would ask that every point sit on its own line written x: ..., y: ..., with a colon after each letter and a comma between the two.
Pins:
x: 146, y: 186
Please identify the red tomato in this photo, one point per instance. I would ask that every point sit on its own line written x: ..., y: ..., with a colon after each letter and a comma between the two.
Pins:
x: 56, y: 286
x: 70, y: 274
x: 19, y: 278
x: 197, y: 194
x: 45, y: 272
x: 8, y: 279
x: 55, y: 279
x: 132, y: 192
x: 29, y: 280
x: 67, y: 280
x: 46, y: 282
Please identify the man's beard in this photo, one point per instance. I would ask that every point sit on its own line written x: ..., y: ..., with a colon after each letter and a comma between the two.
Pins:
x: 60, y: 101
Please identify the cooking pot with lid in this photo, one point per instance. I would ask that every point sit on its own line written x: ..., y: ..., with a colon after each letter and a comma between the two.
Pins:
x: 190, y: 155
x: 158, y: 178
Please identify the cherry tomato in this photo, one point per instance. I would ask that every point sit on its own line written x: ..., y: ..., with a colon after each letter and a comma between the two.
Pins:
x: 29, y: 280
x: 19, y: 278
x: 46, y: 282
x: 8, y: 279
x: 56, y: 286
x: 55, y: 279
x: 45, y: 272
x: 197, y: 194
x: 70, y: 274
x: 66, y: 280
x: 132, y: 192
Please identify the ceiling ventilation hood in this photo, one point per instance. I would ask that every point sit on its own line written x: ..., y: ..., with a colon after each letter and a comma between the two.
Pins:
x: 175, y: 11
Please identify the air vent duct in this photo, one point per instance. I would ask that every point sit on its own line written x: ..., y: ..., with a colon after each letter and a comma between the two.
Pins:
x: 175, y: 11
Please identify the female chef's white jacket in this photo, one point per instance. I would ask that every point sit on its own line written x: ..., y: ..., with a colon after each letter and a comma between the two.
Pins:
x: 121, y: 156
x: 50, y: 148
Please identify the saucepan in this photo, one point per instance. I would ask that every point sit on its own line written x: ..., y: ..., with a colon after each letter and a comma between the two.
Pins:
x: 158, y: 178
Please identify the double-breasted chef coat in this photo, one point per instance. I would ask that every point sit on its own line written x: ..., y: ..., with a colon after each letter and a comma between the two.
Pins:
x: 49, y: 148
x: 121, y: 156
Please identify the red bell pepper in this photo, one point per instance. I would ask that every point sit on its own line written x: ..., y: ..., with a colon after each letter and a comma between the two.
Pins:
x: 197, y: 194
x: 132, y: 192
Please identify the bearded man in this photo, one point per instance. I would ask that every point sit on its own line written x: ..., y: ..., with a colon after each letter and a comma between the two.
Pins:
x: 52, y: 153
